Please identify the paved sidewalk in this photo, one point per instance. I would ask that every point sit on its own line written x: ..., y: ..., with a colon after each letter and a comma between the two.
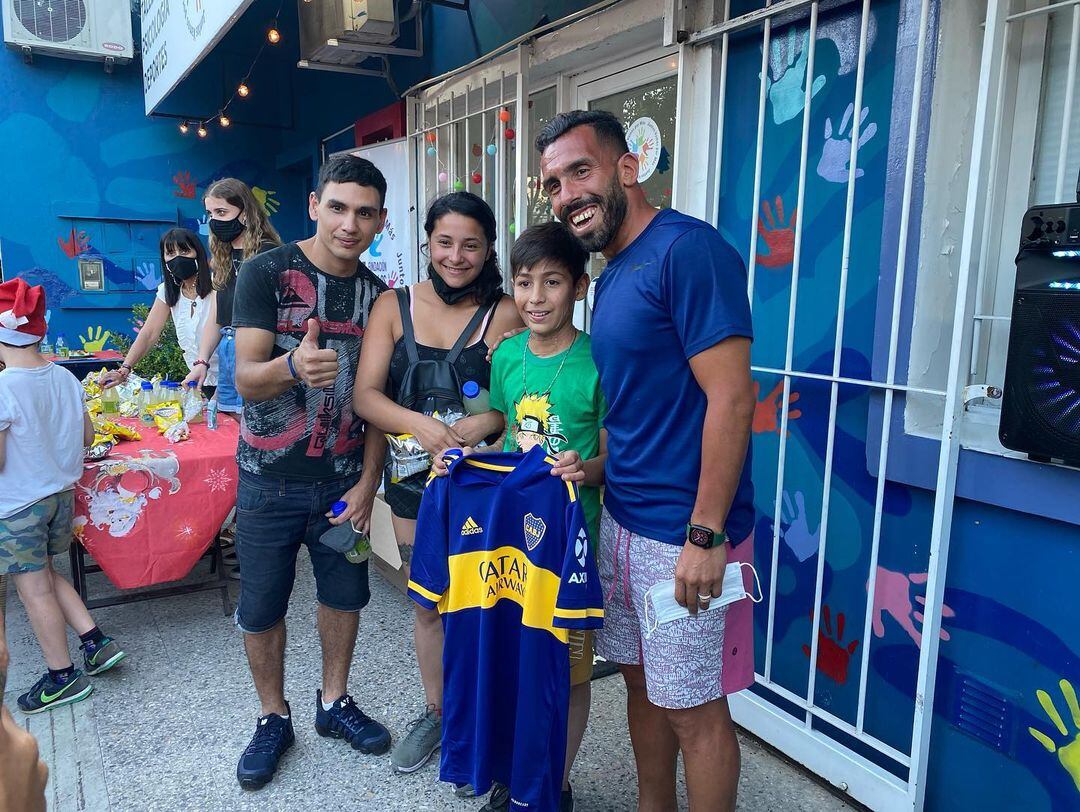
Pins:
x: 164, y: 730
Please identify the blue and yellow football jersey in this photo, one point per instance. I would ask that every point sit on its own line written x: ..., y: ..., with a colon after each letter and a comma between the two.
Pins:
x: 502, y: 551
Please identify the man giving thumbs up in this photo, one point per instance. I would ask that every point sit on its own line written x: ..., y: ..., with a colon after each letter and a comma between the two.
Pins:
x: 300, y: 312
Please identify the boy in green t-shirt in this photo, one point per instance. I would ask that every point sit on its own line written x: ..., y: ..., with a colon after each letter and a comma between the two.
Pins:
x: 545, y: 383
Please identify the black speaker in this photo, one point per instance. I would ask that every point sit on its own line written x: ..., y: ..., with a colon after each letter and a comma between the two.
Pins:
x: 1040, y: 408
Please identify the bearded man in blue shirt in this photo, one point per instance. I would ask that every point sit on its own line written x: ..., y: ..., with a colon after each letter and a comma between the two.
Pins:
x: 671, y: 340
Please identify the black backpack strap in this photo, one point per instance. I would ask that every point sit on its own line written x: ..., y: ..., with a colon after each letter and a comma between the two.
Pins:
x: 407, y: 332
x: 463, y: 339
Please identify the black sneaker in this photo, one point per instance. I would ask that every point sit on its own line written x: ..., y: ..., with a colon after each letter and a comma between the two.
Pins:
x: 99, y: 658
x: 259, y: 761
x: 498, y: 800
x: 346, y: 721
x: 49, y: 693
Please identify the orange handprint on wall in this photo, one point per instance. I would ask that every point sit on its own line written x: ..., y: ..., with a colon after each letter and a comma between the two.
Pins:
x: 185, y: 186
x: 76, y: 243
x: 778, y: 234
x: 767, y: 411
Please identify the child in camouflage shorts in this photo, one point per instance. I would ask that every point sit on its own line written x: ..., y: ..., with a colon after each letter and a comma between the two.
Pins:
x: 43, y: 429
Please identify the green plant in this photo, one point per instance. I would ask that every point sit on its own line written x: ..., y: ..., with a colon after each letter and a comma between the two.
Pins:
x: 166, y: 359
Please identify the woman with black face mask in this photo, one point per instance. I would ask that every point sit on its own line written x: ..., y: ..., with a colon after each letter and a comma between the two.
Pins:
x: 239, y: 229
x: 185, y: 296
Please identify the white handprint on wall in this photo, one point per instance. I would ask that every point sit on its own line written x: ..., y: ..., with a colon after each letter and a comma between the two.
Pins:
x: 836, y: 151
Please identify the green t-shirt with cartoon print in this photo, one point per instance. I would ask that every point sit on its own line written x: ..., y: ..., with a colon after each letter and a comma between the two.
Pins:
x: 561, y: 409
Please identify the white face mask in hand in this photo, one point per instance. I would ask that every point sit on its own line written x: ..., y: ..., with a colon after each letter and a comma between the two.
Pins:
x: 666, y: 609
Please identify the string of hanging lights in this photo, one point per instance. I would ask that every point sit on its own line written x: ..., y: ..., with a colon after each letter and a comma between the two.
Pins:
x: 243, y: 89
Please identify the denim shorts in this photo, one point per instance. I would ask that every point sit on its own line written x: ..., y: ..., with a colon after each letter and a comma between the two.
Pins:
x: 228, y: 398
x: 29, y: 537
x: 274, y: 517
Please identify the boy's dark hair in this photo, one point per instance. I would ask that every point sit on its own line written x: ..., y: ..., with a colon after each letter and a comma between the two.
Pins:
x: 180, y: 238
x: 609, y: 130
x: 549, y: 242
x: 351, y: 169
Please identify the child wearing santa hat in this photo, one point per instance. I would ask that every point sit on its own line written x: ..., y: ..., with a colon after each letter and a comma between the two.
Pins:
x: 44, y: 428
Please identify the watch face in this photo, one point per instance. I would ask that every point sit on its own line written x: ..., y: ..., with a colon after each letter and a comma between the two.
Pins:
x: 700, y: 537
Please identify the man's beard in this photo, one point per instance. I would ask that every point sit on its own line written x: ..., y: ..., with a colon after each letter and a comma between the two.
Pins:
x: 613, y: 207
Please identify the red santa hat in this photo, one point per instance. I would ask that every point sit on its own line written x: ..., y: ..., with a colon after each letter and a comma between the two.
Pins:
x: 22, y: 313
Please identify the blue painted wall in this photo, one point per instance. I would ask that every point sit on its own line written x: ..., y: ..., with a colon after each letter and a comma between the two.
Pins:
x: 86, y: 174
x: 1004, y: 734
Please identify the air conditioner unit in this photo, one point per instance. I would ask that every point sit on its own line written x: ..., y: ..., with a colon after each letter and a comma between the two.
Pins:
x: 75, y: 29
x: 356, y: 22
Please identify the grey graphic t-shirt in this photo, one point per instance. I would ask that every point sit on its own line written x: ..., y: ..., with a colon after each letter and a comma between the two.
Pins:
x: 304, y: 433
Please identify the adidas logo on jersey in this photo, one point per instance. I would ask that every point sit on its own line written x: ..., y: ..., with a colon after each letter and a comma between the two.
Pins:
x: 471, y: 528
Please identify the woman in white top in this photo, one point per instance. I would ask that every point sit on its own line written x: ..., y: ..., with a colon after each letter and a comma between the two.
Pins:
x: 185, y: 296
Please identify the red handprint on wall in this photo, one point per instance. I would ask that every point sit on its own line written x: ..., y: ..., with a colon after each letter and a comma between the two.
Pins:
x: 767, y: 411
x: 185, y: 186
x: 779, y: 236
x: 76, y: 243
x: 833, y: 657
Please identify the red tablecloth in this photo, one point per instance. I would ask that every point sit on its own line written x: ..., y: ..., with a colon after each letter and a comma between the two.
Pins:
x: 148, y: 512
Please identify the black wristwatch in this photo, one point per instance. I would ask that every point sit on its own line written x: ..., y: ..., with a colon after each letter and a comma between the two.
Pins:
x: 704, y: 537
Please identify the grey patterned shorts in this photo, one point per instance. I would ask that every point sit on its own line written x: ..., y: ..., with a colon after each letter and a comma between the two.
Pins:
x: 28, y: 538
x: 683, y: 659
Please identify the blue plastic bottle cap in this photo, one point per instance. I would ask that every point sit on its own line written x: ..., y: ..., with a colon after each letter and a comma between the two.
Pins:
x: 147, y: 386
x: 470, y: 389
x: 191, y: 384
x: 338, y: 507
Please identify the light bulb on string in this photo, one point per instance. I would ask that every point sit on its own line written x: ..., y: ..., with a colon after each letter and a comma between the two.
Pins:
x: 432, y: 152
x: 504, y: 115
x: 492, y: 149
x: 201, y: 131
x: 224, y: 120
x: 243, y: 90
x: 477, y: 178
x: 273, y: 36
x: 184, y: 127
x: 443, y: 177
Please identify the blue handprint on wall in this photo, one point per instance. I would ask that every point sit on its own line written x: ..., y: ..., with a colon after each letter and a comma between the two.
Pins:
x: 787, y: 76
x: 836, y: 151
x: 146, y: 274
x: 795, y: 529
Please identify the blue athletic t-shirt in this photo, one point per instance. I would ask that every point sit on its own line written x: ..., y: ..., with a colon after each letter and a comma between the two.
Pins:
x: 676, y: 290
x: 502, y: 551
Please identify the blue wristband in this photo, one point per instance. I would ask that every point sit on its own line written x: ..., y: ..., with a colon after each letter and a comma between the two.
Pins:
x: 292, y: 369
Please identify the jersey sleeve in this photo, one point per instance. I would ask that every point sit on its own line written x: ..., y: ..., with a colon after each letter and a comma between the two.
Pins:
x: 580, y: 604
x: 429, y: 574
x: 704, y: 286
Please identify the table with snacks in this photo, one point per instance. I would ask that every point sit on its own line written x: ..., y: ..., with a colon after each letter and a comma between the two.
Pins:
x: 155, y: 492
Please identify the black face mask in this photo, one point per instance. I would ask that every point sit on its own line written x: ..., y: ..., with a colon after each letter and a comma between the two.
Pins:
x: 182, y: 268
x: 449, y: 295
x: 227, y: 230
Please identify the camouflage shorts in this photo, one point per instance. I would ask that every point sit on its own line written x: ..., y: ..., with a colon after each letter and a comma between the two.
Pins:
x: 28, y: 538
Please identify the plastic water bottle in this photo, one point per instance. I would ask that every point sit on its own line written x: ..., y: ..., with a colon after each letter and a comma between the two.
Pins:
x: 61, y: 347
x: 344, y: 538
x: 146, y: 403
x: 192, y: 403
x: 46, y: 347
x: 110, y: 401
x: 475, y: 398
x: 211, y: 414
